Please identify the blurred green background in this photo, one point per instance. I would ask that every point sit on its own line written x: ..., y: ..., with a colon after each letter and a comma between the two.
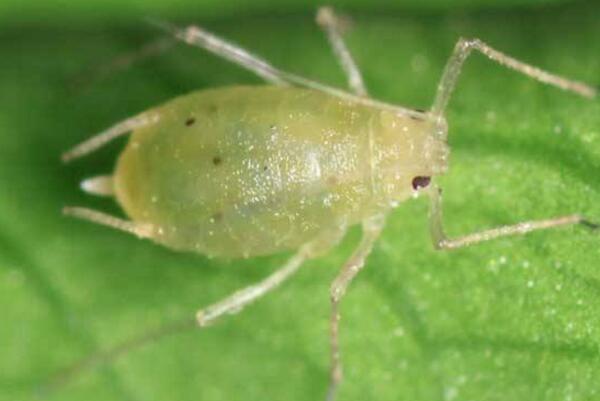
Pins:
x: 512, y: 319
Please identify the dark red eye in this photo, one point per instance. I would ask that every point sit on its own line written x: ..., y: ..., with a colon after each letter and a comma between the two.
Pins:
x: 420, y: 182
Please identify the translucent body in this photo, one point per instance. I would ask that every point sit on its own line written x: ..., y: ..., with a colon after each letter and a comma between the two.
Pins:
x: 244, y: 171
x: 252, y: 170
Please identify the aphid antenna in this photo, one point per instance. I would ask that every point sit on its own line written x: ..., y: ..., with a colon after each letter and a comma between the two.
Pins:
x: 65, y: 376
x: 270, y: 73
x: 163, y: 25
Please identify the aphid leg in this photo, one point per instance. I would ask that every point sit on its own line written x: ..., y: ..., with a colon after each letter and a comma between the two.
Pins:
x: 371, y: 230
x: 140, y: 230
x: 462, y: 50
x: 441, y: 241
x: 239, y: 299
x: 235, y: 302
x: 232, y: 304
x: 197, y: 36
x: 101, y: 139
x: 333, y: 26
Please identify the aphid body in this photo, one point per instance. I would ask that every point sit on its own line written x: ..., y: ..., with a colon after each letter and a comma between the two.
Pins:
x: 255, y: 170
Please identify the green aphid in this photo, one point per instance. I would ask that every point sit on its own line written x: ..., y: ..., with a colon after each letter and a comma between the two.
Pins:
x: 244, y: 171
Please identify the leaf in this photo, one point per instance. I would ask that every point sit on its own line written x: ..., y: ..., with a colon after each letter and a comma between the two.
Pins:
x: 511, y: 319
x: 74, y: 11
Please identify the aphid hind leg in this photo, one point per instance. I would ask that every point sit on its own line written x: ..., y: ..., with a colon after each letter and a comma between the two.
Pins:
x: 197, y: 36
x: 332, y: 25
x: 463, y: 49
x: 140, y: 230
x: 371, y: 231
x: 101, y: 139
x: 441, y: 241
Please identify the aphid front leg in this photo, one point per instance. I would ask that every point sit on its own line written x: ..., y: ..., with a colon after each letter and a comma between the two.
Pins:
x: 332, y: 25
x: 101, y: 139
x: 371, y: 230
x: 441, y: 241
x: 463, y: 49
x: 140, y: 230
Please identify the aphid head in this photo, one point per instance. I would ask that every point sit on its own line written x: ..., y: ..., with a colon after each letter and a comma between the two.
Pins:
x: 410, y: 150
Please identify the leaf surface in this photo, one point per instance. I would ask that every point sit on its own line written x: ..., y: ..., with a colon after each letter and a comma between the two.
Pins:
x: 511, y: 319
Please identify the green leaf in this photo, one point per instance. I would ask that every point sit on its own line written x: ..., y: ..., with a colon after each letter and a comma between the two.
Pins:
x: 76, y: 12
x: 512, y: 319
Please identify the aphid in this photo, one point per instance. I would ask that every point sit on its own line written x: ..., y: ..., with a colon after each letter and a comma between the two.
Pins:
x: 243, y: 171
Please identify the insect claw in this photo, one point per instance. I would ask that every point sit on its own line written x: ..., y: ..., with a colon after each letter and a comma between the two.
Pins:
x: 590, y: 224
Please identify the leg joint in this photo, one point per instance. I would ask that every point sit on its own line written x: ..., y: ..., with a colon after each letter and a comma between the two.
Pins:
x: 469, y: 43
x: 336, y: 292
x: 325, y: 16
x: 443, y: 245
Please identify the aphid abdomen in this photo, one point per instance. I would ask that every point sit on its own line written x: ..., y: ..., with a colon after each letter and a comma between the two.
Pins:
x: 244, y: 171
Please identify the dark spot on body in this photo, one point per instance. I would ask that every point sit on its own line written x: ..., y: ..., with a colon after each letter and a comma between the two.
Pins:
x: 420, y: 182
x: 265, y: 168
x: 190, y: 121
x: 217, y: 160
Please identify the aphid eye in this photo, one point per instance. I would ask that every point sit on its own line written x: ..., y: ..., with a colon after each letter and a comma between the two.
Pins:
x: 420, y: 182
